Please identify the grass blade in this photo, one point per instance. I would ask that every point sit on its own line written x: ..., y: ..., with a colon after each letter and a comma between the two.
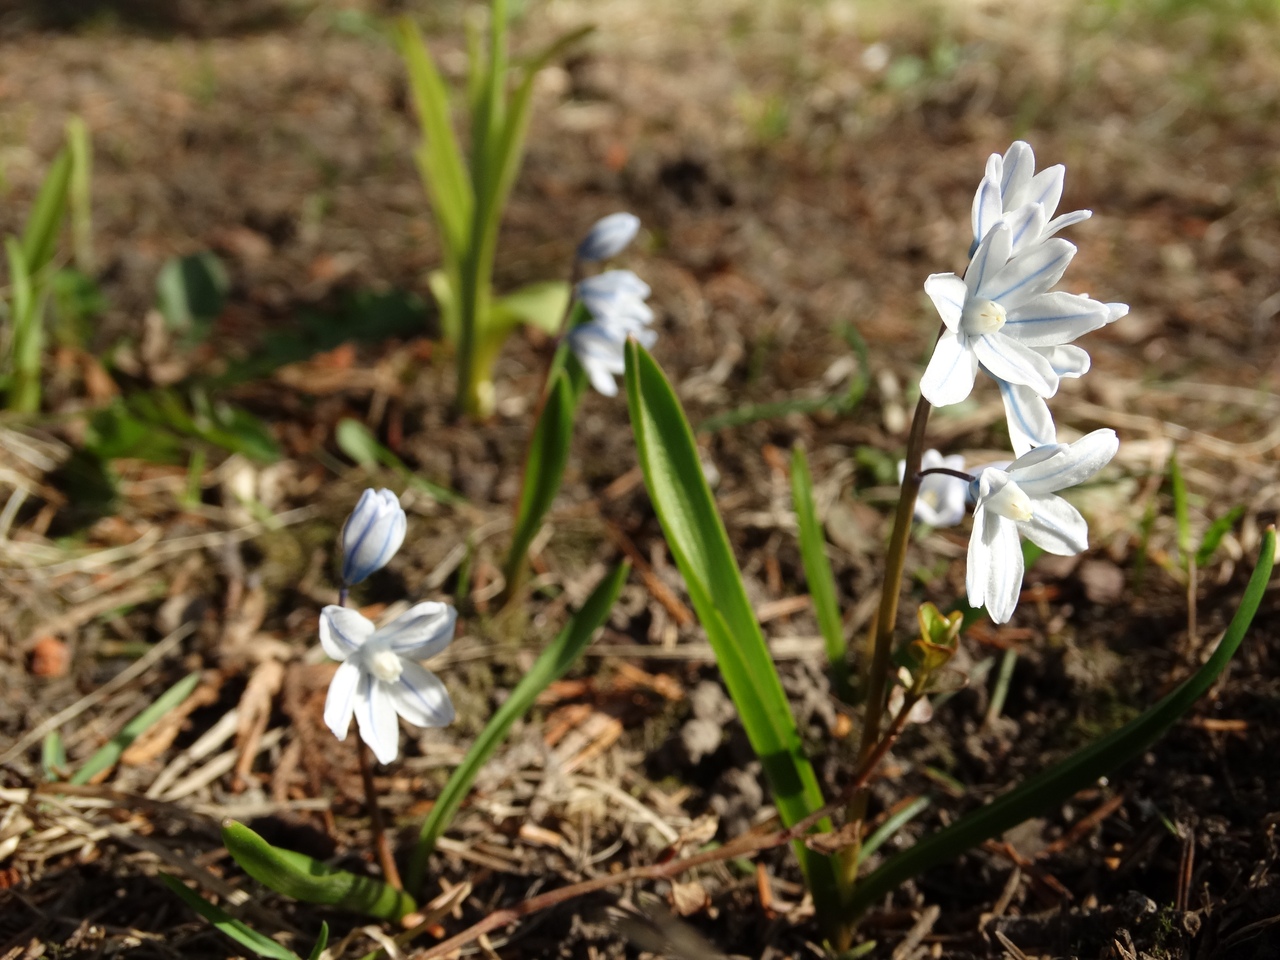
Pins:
x: 27, y: 332
x: 892, y: 825
x: 1062, y: 781
x: 238, y: 931
x: 1180, y: 511
x: 700, y: 546
x: 106, y: 757
x: 40, y: 238
x: 817, y: 570
x: 304, y: 878
x: 544, y: 469
x: 1213, y: 536
x: 80, y: 197
x: 563, y: 652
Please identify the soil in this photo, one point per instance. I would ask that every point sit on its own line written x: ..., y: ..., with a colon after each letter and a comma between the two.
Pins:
x: 799, y: 170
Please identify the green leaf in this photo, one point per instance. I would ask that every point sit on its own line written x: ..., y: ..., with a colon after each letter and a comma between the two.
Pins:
x: 304, y: 878
x: 358, y: 442
x: 817, y: 569
x: 1213, y: 536
x: 238, y: 931
x: 53, y: 756
x: 439, y: 157
x: 106, y: 757
x: 543, y: 470
x: 892, y: 825
x: 540, y: 305
x: 40, y: 238
x: 1180, y: 511
x: 191, y: 291
x: 322, y: 941
x: 27, y: 331
x: 563, y: 652
x: 1059, y: 783
x: 79, y: 196
x: 700, y: 547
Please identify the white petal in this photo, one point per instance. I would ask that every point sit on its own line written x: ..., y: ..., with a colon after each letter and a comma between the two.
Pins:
x: 341, y: 700
x: 1030, y: 423
x: 372, y: 535
x: 1006, y: 359
x: 987, y: 208
x: 994, y: 573
x: 1080, y: 461
x: 948, y: 292
x: 988, y: 260
x: 376, y: 718
x: 420, y: 632
x: 609, y: 237
x: 1019, y: 165
x: 1067, y: 360
x: 1056, y: 527
x: 343, y: 631
x: 1028, y: 274
x: 1045, y: 189
x: 421, y: 698
x: 1054, y: 318
x: 1066, y: 220
x: 1026, y: 223
x: 1116, y: 310
x: 949, y: 377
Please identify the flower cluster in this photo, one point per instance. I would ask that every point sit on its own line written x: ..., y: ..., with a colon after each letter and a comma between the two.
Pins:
x: 615, y: 301
x: 379, y: 676
x: 1004, y: 318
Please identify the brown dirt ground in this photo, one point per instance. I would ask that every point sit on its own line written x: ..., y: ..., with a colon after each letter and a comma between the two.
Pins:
x: 789, y: 182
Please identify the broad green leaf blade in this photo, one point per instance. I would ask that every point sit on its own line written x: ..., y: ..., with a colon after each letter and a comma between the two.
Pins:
x: 1213, y: 536
x: 238, y: 931
x: 1061, y: 782
x: 543, y: 471
x: 440, y: 159
x: 563, y: 652
x: 106, y: 757
x: 304, y: 878
x: 40, y: 238
x: 700, y: 546
x: 540, y: 305
x: 817, y: 569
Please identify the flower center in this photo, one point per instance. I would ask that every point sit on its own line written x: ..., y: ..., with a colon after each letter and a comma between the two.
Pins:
x: 982, y: 317
x: 1010, y: 501
x: 386, y: 666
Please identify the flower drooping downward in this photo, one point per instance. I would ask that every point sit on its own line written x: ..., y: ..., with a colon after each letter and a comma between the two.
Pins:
x: 1021, y: 501
x: 379, y: 676
x: 940, y: 500
x: 616, y: 302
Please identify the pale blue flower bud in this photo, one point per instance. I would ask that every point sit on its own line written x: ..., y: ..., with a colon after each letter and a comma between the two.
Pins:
x: 372, y: 535
x: 609, y: 237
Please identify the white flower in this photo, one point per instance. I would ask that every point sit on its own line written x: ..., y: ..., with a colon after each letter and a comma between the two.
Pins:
x: 372, y: 535
x: 609, y: 237
x: 941, y: 499
x: 615, y: 300
x: 1009, y: 191
x: 999, y: 313
x: 1022, y: 500
x: 379, y: 677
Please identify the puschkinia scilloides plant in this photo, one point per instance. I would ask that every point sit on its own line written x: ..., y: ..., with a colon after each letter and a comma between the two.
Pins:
x: 605, y: 310
x: 1000, y: 317
x: 468, y: 197
x: 378, y: 682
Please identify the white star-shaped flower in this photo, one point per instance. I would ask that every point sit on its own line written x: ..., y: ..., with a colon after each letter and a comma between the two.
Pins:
x: 999, y: 313
x: 379, y: 676
x: 615, y: 300
x: 1021, y: 501
x: 1010, y: 191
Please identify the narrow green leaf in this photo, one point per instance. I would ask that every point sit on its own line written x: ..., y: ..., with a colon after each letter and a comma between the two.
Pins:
x: 439, y: 158
x: 304, y: 878
x: 1180, y: 511
x: 27, y: 331
x: 358, y: 442
x: 817, y: 569
x: 891, y: 826
x: 80, y: 198
x: 1064, y: 780
x: 540, y: 305
x: 543, y: 470
x: 700, y: 547
x: 563, y: 652
x: 238, y: 931
x: 191, y: 292
x: 106, y: 757
x: 53, y: 756
x: 40, y: 238
x: 1213, y: 536
x: 322, y: 942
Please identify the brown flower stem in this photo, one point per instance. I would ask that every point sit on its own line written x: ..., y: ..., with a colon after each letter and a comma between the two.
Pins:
x: 745, y: 845
x: 380, y: 843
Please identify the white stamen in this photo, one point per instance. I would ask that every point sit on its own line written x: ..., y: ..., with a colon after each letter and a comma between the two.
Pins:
x: 981, y: 317
x: 386, y: 666
x: 1010, y: 501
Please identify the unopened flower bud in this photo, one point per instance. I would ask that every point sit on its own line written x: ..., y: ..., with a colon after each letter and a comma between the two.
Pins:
x: 372, y: 535
x: 609, y: 237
